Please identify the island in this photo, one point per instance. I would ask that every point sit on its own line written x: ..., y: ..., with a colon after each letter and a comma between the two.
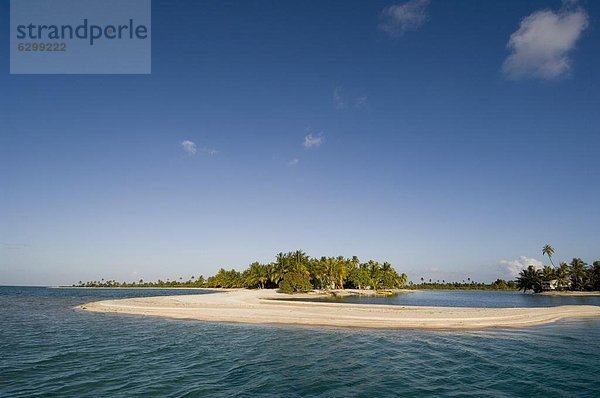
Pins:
x: 262, y: 295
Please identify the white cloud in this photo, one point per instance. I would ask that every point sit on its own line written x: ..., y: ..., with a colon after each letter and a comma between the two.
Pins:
x: 400, y: 18
x: 209, y: 151
x: 360, y: 102
x: 293, y: 162
x: 541, y: 46
x: 338, y: 99
x: 511, y: 268
x: 342, y: 101
x: 313, y: 141
x: 189, y: 147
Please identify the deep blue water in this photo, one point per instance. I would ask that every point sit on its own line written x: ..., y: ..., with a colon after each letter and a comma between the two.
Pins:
x: 49, y: 349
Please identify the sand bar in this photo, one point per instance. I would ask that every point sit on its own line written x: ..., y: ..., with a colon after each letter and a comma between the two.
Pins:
x: 569, y: 293
x: 258, y: 307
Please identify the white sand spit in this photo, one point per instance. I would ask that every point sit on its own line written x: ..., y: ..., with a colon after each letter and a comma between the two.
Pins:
x: 258, y: 307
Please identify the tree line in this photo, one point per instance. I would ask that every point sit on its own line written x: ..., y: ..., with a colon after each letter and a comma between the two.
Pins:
x: 297, y: 272
x: 290, y: 272
x: 468, y: 284
x: 574, y: 276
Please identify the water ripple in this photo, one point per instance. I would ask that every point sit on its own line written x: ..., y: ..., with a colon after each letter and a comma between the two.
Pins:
x: 51, y: 350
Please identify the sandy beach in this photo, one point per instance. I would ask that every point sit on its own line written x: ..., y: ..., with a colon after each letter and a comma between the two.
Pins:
x: 260, y: 307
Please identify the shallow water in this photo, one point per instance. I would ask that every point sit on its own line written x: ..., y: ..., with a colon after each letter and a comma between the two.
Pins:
x: 49, y: 349
x: 466, y: 298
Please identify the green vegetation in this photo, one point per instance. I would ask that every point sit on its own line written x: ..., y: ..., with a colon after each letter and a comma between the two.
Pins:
x: 498, y: 284
x: 548, y: 250
x: 530, y: 279
x: 575, y: 276
x: 297, y: 272
x: 295, y: 282
x: 293, y: 272
x: 193, y: 282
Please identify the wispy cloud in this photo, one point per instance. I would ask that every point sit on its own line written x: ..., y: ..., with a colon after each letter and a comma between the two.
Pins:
x: 313, y: 141
x: 338, y: 99
x: 360, y: 102
x: 191, y: 148
x: 209, y: 151
x: 342, y: 101
x: 511, y: 268
x: 293, y: 162
x: 398, y: 19
x: 541, y: 47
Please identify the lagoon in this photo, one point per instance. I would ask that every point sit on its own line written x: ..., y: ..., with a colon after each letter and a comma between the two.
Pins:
x: 466, y: 298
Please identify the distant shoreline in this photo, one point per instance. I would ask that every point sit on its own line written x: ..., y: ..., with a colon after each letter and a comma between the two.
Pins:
x: 348, y: 292
x: 314, y: 293
x: 266, y: 306
x: 335, y: 292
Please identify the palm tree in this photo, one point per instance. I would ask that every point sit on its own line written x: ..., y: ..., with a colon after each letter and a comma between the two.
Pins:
x: 548, y: 250
x: 330, y: 272
x: 341, y: 271
x: 595, y: 276
x: 549, y: 273
x: 279, y: 268
x: 530, y: 278
x: 300, y: 257
x: 562, y: 274
x: 256, y: 275
x: 373, y: 267
x: 263, y: 276
x: 578, y: 274
x: 403, y: 279
x: 388, y: 276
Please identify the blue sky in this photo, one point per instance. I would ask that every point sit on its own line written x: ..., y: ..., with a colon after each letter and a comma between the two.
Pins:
x: 451, y: 138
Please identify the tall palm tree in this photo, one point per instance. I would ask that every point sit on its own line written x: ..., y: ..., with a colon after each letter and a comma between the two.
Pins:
x: 548, y: 250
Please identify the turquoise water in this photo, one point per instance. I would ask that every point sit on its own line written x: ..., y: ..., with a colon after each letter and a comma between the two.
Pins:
x: 49, y: 349
x: 466, y: 298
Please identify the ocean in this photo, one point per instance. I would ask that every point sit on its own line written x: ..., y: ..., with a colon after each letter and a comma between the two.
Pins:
x: 50, y: 349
